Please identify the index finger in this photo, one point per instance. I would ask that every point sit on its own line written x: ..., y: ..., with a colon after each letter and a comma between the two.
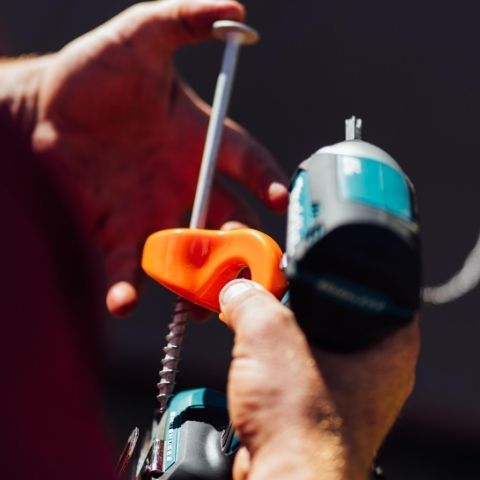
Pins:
x: 164, y: 26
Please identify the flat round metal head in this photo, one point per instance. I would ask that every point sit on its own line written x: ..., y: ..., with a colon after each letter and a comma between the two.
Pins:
x: 223, y: 29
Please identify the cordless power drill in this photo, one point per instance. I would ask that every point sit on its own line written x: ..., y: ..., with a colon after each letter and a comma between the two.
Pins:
x: 353, y: 245
x: 353, y: 267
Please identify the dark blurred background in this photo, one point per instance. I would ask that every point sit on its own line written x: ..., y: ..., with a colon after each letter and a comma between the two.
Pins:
x: 411, y: 70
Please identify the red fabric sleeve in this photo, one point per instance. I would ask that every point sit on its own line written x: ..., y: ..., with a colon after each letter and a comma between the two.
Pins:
x: 50, y: 422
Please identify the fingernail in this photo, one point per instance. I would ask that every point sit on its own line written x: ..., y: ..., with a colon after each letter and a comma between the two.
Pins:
x: 278, y: 196
x: 276, y: 189
x: 121, y: 298
x: 236, y: 288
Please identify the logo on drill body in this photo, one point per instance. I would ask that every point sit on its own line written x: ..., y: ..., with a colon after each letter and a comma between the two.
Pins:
x: 170, y: 441
x: 363, y: 301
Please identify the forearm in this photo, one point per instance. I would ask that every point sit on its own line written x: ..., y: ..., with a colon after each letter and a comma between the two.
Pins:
x: 20, y: 80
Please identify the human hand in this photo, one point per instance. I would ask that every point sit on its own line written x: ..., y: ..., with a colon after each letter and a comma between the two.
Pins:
x: 305, y: 413
x: 126, y: 134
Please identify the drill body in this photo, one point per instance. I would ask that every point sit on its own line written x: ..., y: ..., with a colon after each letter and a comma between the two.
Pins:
x: 192, y: 440
x: 353, y: 247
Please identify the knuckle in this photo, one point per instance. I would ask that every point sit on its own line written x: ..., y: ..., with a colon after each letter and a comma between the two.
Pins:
x: 261, y: 315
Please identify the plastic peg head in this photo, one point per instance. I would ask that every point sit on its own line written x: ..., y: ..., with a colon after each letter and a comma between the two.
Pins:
x: 196, y: 264
x: 227, y: 29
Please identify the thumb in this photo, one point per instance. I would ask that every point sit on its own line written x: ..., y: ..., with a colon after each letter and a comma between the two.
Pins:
x: 168, y: 24
x: 121, y: 298
x: 124, y: 279
x: 268, y: 349
x: 260, y: 322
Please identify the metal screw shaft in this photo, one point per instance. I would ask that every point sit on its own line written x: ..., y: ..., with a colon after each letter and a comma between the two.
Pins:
x: 172, y: 351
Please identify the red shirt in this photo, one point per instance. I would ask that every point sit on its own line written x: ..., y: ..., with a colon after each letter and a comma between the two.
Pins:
x: 50, y: 422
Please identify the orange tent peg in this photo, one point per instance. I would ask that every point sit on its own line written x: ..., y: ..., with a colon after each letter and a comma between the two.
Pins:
x: 196, y: 263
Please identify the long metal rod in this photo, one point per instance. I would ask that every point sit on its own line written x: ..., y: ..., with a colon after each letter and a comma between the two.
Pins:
x: 235, y: 34
x: 221, y: 100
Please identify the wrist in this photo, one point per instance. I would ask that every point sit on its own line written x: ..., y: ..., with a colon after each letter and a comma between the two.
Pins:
x: 319, y: 453
x: 20, y: 81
